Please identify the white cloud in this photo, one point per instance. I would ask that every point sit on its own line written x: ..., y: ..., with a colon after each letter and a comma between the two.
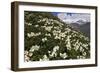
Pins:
x: 73, y: 17
x: 62, y: 16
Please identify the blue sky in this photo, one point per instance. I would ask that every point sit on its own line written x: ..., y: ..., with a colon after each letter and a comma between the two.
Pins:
x: 56, y: 13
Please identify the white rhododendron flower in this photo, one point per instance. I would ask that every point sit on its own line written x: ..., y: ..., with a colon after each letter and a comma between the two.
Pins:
x: 62, y: 34
x: 57, y: 37
x: 48, y: 34
x: 29, y: 24
x: 44, y: 39
x: 78, y: 57
x: 49, y: 52
x: 30, y: 54
x: 45, y: 58
x: 56, y: 48
x: 48, y: 28
x: 54, y: 54
x: 81, y: 49
x: 84, y: 54
x: 36, y: 26
x: 27, y: 59
x: 34, y: 47
x: 26, y: 56
x: 26, y: 52
x: 33, y: 34
x: 64, y: 55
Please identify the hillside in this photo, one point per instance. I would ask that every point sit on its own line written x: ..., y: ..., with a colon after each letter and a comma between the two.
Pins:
x: 48, y: 38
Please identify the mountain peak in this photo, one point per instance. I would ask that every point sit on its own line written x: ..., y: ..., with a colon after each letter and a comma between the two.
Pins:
x: 81, y: 22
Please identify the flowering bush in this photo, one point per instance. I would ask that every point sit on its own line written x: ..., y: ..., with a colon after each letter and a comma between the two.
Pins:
x: 48, y: 38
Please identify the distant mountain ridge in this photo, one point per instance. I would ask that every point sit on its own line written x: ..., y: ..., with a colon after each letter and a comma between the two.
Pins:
x: 83, y: 27
x: 81, y: 22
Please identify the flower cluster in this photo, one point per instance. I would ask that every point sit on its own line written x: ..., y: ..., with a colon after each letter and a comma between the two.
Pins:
x: 33, y: 48
x: 33, y: 34
x: 64, y: 55
x: 45, y: 58
x: 48, y: 28
x: 27, y: 55
x: 44, y: 39
x: 55, y: 49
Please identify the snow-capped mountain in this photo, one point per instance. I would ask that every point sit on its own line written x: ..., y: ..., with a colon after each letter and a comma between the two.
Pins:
x: 81, y: 22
